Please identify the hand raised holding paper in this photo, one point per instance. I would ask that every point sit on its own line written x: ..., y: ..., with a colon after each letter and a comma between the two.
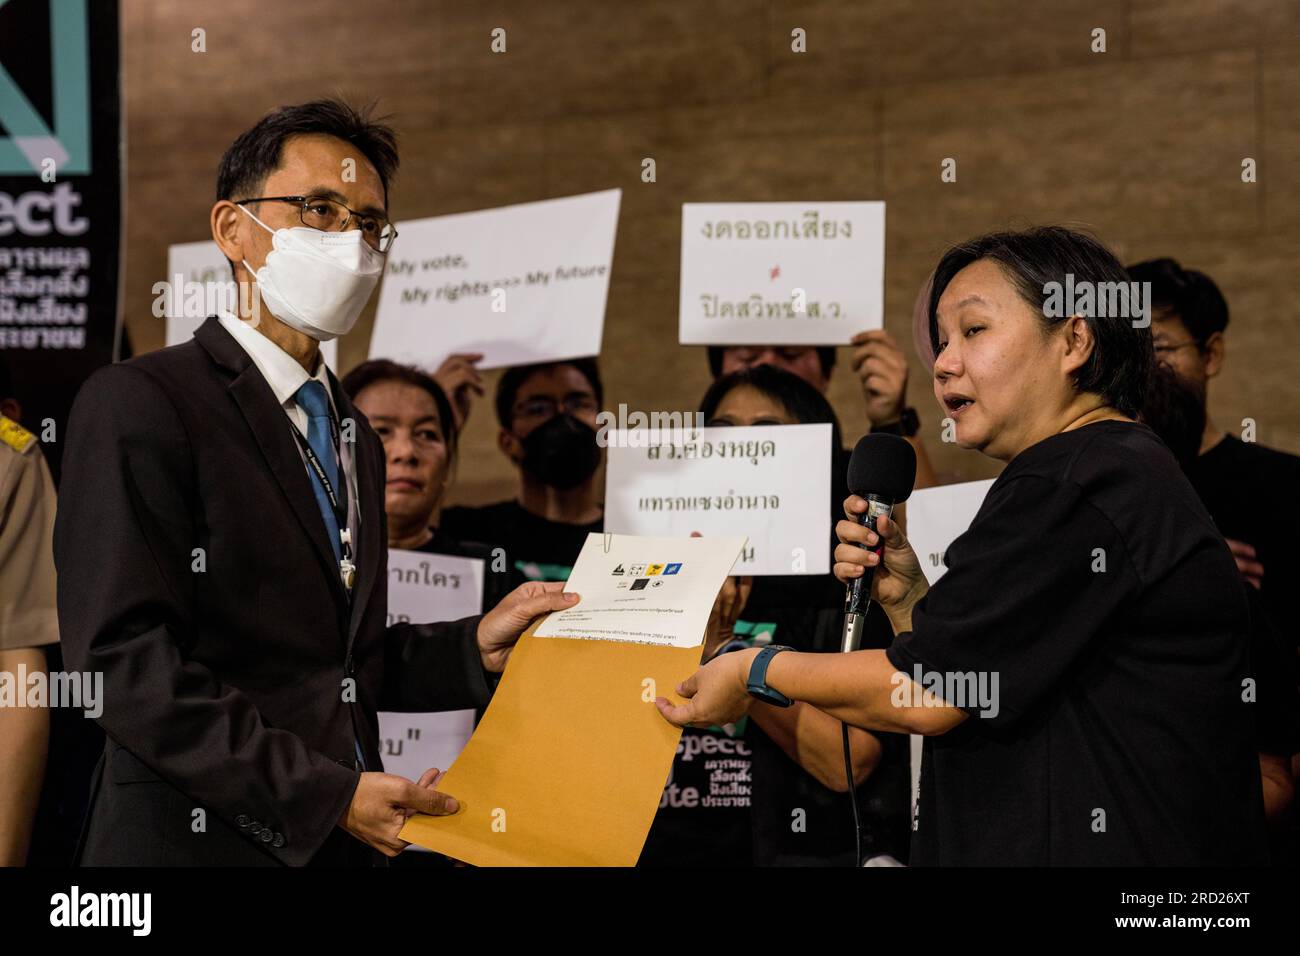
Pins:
x: 502, y: 626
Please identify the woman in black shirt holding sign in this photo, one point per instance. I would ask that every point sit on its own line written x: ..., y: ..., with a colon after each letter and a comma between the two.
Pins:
x: 1078, y: 672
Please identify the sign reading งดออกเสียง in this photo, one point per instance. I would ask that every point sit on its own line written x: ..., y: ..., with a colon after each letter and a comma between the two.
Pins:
x: 768, y: 483
x: 519, y: 284
x: 781, y: 273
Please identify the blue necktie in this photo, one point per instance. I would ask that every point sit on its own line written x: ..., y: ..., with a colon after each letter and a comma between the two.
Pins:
x: 312, y: 399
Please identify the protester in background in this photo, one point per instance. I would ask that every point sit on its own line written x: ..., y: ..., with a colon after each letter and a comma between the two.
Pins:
x: 418, y: 427
x: 28, y: 620
x: 547, y: 414
x: 1175, y: 410
x: 1249, y: 489
x: 879, y: 364
x: 794, y: 810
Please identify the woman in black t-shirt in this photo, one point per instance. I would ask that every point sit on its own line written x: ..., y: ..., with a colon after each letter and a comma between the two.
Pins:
x: 1078, y: 671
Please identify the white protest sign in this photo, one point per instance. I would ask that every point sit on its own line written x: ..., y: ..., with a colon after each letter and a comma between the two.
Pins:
x: 422, y: 589
x: 936, y: 516
x: 520, y: 284
x: 769, y: 483
x: 199, y: 284
x: 781, y: 273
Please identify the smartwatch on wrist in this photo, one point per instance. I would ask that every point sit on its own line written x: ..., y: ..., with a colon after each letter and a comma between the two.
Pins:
x: 908, y: 424
x: 757, y: 682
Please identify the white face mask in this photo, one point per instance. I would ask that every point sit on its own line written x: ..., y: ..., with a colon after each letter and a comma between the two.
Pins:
x: 317, y: 282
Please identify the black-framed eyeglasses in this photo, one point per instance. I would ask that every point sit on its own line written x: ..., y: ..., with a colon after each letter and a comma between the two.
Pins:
x: 330, y: 215
x: 546, y: 407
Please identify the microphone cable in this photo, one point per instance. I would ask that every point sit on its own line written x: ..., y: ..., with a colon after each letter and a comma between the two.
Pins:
x: 853, y: 797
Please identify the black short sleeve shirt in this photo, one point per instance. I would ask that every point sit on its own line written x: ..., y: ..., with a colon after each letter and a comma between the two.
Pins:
x: 1093, y: 626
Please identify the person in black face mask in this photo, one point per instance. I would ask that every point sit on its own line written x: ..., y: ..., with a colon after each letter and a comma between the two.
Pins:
x: 548, y: 430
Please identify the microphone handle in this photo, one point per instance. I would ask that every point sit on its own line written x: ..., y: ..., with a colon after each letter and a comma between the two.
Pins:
x: 858, y: 591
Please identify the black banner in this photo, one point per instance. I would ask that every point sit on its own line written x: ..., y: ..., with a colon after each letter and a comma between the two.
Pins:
x: 60, y: 202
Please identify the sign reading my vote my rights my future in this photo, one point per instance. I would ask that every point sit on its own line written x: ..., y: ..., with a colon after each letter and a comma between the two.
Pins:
x: 782, y: 273
x: 199, y: 284
x: 422, y: 589
x: 520, y: 284
x: 769, y: 483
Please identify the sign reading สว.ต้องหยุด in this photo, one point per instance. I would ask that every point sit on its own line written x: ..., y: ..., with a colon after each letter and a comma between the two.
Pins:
x: 783, y: 273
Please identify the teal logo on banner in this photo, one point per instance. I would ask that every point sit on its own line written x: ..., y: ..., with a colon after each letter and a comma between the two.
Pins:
x: 65, y: 135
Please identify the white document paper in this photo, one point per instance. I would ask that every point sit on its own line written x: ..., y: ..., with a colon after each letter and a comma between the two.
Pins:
x: 936, y: 516
x: 781, y: 273
x: 644, y: 590
x: 423, y: 589
x: 520, y: 284
x: 768, y: 483
x: 200, y: 285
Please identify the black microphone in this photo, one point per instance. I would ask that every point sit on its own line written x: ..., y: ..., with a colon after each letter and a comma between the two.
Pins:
x: 882, y: 469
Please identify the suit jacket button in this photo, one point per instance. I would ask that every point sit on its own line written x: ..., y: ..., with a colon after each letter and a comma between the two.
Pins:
x: 242, y: 820
x: 266, y: 836
x: 278, y: 841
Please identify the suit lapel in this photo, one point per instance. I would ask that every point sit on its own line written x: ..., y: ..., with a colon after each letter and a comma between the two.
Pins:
x: 270, y: 428
x: 373, y: 559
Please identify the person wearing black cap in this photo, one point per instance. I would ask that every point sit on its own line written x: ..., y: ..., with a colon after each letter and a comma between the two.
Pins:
x: 1078, y: 670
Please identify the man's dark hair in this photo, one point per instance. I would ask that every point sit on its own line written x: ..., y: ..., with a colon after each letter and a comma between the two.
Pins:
x: 826, y: 355
x: 1190, y: 295
x: 805, y: 403
x: 1120, y: 365
x: 257, y: 152
x: 385, y: 370
x: 1175, y: 410
x: 515, y: 376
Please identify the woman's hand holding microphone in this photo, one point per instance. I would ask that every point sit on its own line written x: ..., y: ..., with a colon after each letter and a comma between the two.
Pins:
x: 898, y: 583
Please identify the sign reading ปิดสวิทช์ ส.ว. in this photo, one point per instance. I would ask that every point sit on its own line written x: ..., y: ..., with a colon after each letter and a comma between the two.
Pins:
x: 785, y: 273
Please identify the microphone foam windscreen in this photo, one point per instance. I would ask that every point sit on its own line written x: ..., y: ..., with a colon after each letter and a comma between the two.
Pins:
x: 883, y: 465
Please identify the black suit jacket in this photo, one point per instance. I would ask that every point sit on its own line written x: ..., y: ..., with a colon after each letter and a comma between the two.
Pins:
x: 228, y: 671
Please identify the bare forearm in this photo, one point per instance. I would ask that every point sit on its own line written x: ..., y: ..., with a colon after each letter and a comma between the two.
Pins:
x: 24, y: 740
x: 1279, y: 789
x: 861, y: 689
x: 813, y: 740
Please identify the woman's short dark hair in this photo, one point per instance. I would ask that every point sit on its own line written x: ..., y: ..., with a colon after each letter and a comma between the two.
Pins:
x: 806, y: 405
x: 1120, y: 365
x: 256, y: 153
x: 514, y: 377
x: 385, y: 370
x: 1190, y: 295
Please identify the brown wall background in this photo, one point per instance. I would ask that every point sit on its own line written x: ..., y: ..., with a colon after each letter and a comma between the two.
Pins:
x: 1143, y: 144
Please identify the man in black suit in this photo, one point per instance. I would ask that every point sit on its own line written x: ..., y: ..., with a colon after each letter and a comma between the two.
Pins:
x: 222, y: 552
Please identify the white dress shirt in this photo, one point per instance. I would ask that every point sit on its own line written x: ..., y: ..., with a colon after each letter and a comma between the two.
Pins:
x: 285, y: 376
